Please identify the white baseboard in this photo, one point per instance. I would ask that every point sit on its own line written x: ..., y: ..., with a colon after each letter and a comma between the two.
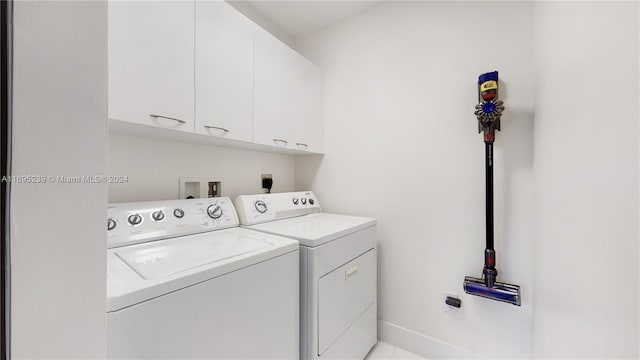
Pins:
x: 420, y: 344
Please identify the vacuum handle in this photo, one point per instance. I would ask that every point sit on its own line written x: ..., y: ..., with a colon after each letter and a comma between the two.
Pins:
x: 489, y: 194
x: 489, y: 271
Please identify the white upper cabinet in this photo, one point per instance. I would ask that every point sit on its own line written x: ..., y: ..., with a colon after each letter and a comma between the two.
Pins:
x: 151, y: 63
x: 307, y: 105
x: 288, y: 97
x: 273, y: 89
x: 204, y: 68
x: 224, y: 50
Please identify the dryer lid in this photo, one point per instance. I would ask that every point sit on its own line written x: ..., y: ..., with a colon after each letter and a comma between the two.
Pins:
x: 316, y: 229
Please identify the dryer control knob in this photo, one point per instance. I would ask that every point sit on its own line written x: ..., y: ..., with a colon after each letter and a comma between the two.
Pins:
x: 214, y: 211
x: 296, y: 201
x: 311, y: 201
x: 134, y: 219
x: 158, y: 215
x: 179, y: 213
x: 261, y: 206
x: 304, y: 201
x: 111, y: 224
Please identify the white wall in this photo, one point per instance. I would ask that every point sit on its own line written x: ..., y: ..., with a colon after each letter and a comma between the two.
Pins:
x: 586, y: 180
x: 248, y: 10
x: 58, y: 230
x: 154, y: 171
x: 402, y: 146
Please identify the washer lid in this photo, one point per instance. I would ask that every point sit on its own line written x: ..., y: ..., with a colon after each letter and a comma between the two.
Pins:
x: 315, y: 229
x: 158, y: 259
x: 137, y: 273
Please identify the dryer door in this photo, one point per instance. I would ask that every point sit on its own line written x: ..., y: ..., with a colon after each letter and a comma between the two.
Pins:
x: 344, y: 295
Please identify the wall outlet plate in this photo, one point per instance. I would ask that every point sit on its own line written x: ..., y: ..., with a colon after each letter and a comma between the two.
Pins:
x: 200, y: 187
x: 449, y: 308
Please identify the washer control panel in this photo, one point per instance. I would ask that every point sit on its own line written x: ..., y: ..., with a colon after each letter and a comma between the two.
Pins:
x: 255, y: 209
x: 136, y: 222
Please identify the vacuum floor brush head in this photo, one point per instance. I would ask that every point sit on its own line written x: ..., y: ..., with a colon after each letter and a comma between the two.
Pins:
x: 500, y: 291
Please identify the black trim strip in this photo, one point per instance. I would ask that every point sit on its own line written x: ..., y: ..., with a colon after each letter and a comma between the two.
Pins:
x: 6, y: 13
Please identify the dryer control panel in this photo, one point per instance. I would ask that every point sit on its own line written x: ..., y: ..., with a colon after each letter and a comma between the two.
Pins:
x: 259, y: 208
x: 137, y: 222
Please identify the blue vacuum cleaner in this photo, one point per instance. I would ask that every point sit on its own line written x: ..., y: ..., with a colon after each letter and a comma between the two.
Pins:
x: 488, y: 112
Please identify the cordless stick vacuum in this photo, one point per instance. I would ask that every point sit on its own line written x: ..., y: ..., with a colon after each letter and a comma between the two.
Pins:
x: 488, y: 112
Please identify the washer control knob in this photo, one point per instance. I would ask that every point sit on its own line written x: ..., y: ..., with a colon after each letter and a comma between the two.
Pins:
x: 179, y: 213
x: 296, y: 201
x: 261, y: 206
x: 214, y: 211
x: 304, y: 201
x: 134, y: 219
x: 111, y: 224
x: 311, y: 201
x: 158, y: 215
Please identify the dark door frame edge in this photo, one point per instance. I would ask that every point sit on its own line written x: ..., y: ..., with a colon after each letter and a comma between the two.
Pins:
x: 6, y: 53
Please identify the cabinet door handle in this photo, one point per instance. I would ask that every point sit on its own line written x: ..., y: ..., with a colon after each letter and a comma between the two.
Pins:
x: 224, y: 131
x: 280, y: 142
x: 166, y: 117
x: 302, y: 146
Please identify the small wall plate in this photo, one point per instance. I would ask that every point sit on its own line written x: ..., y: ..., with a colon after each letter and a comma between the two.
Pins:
x: 200, y: 187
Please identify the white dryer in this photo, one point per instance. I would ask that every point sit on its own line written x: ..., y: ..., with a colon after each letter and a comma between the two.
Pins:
x: 184, y: 281
x: 338, y: 305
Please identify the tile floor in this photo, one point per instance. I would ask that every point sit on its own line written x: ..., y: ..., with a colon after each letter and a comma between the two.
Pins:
x: 385, y: 351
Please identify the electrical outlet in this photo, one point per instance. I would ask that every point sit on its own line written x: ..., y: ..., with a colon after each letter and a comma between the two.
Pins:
x: 449, y: 308
x: 267, y: 181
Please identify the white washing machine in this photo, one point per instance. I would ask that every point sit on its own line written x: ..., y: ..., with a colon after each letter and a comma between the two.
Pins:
x: 185, y: 281
x: 338, y: 305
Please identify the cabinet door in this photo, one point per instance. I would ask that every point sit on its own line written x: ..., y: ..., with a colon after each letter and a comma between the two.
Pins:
x: 273, y: 86
x: 224, y: 71
x: 151, y: 56
x: 308, y: 105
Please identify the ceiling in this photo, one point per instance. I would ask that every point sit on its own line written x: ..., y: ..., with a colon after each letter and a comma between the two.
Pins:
x: 303, y: 17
